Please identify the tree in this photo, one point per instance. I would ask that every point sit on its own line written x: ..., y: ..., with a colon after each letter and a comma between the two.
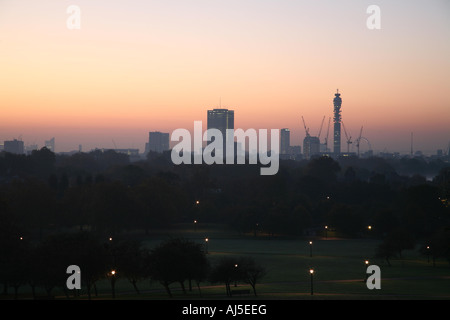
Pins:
x: 423, y: 212
x: 56, y: 252
x: 112, y: 207
x: 251, y: 271
x: 439, y: 245
x: 177, y: 260
x: 323, y: 168
x: 347, y: 219
x: 43, y: 162
x: 225, y: 271
x: 233, y: 269
x: 130, y: 261
x: 393, y: 245
x: 15, y: 252
x: 33, y: 203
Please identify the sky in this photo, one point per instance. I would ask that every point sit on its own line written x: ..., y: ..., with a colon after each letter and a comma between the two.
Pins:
x: 139, y: 66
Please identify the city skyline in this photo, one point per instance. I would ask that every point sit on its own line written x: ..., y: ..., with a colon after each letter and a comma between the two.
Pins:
x: 159, y: 66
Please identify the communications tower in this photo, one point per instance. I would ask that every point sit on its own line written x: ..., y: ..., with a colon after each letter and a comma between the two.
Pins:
x: 337, y: 101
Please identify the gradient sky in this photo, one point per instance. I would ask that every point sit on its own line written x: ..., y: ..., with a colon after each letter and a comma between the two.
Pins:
x: 140, y: 66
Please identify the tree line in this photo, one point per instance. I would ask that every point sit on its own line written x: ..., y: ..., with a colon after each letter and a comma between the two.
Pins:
x: 43, y: 265
x: 405, y: 201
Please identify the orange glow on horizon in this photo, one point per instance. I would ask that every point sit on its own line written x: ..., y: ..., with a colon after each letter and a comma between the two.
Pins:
x: 130, y: 71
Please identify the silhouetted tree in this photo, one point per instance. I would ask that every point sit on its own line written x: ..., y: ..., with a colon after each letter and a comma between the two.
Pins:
x: 130, y: 257
x: 346, y: 219
x: 323, y: 168
x: 43, y: 162
x: 439, y: 244
x: 177, y: 260
x: 112, y: 207
x: 251, y: 271
x: 225, y: 271
x: 392, y: 246
x: 32, y: 203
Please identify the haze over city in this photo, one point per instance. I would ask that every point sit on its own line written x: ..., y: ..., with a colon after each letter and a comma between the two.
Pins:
x: 140, y: 66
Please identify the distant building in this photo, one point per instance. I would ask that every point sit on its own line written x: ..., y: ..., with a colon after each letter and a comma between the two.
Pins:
x: 285, y: 141
x: 50, y: 144
x: 157, y: 142
x: 29, y: 149
x: 14, y: 146
x: 296, y: 152
x: 130, y: 152
x: 337, y: 103
x: 133, y: 154
x: 221, y: 119
x: 311, y: 146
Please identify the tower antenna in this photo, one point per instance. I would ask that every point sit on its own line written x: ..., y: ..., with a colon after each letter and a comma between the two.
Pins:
x: 337, y: 119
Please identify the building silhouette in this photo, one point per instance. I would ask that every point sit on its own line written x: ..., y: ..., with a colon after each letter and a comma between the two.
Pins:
x: 14, y: 146
x: 311, y: 146
x: 285, y: 141
x: 157, y: 142
x: 221, y: 119
x: 337, y: 102
x: 50, y: 144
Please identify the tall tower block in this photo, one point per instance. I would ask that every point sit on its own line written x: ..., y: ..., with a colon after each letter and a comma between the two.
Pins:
x: 337, y: 102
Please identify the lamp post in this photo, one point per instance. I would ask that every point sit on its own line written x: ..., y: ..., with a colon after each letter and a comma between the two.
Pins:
x: 311, y: 272
x: 113, y: 282
x: 235, y: 277
x: 206, y: 245
x: 310, y: 248
x: 326, y: 232
x: 366, y: 263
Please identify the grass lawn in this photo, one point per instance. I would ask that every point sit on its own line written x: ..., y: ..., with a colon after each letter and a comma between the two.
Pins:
x: 339, y: 266
x: 339, y: 269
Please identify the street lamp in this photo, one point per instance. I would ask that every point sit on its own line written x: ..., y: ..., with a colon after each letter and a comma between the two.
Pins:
x: 310, y: 248
x: 311, y: 272
x: 326, y: 232
x: 206, y: 245
x: 366, y: 262
x: 113, y: 282
x: 235, y: 279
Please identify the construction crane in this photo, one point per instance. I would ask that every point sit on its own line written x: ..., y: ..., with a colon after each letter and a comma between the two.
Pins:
x: 320, y: 131
x: 306, y: 129
x: 368, y: 142
x: 115, y: 147
x: 349, y: 140
x: 326, y: 138
x: 359, y: 140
